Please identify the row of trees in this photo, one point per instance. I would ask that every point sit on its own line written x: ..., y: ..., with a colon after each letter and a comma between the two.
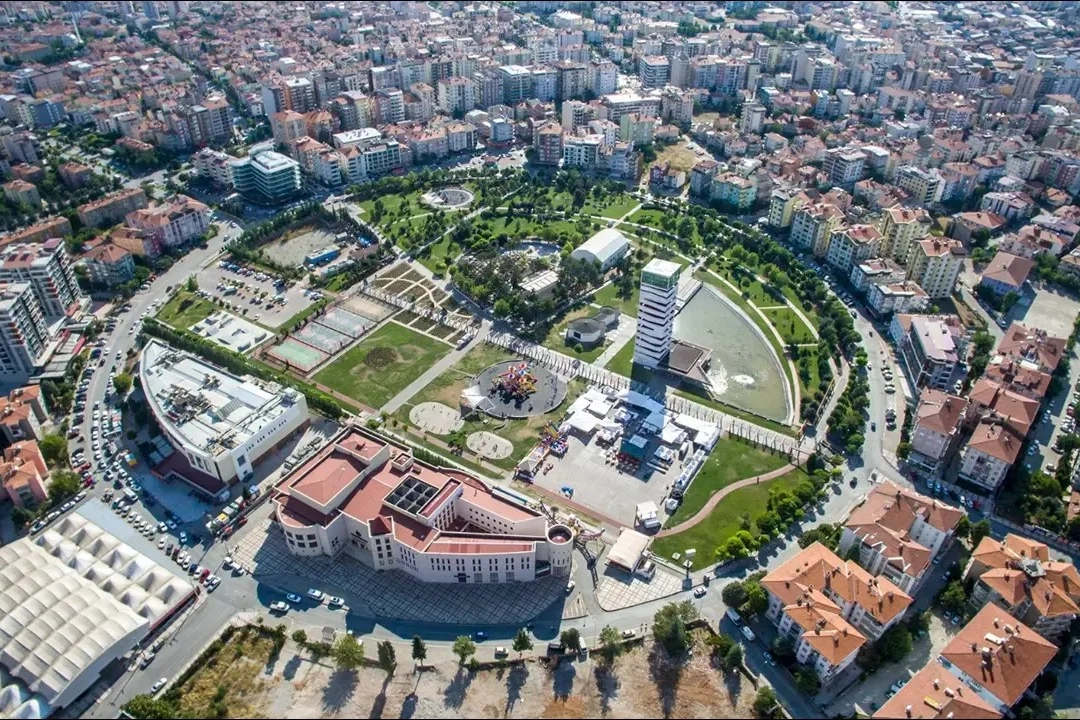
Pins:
x: 848, y: 418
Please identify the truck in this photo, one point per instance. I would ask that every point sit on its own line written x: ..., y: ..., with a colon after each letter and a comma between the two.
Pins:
x: 748, y: 634
x: 734, y: 616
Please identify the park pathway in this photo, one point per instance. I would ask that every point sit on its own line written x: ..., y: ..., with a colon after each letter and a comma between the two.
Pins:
x: 720, y: 495
x: 445, y: 363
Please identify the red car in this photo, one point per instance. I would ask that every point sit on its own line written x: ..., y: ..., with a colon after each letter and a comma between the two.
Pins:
x: 204, y: 574
x: 84, y: 466
x: 242, y: 521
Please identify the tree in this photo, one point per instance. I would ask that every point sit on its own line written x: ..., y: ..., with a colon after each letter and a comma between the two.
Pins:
x: 669, y: 626
x: 348, y: 652
x: 734, y: 595
x: 464, y: 647
x: 978, y: 531
x: 895, y: 643
x: 522, y: 642
x: 611, y: 645
x: 300, y: 638
x: 122, y: 383
x: 963, y: 527
x: 419, y: 649
x: 147, y: 707
x: 54, y: 449
x: 192, y: 284
x: 953, y: 598
x: 732, y: 658
x: 64, y: 484
x: 757, y: 602
x: 571, y: 639
x: 765, y: 702
x: 387, y: 657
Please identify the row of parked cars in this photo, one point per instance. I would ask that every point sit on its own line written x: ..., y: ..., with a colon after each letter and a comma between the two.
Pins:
x: 279, y: 606
x: 45, y: 521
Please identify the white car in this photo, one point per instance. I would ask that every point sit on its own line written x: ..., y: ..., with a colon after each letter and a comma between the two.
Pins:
x: 156, y: 687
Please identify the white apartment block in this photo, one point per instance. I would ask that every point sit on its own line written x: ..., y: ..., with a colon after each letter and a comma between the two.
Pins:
x: 48, y: 269
x: 936, y: 432
x: 174, y: 222
x: 990, y: 451
x: 844, y: 167
x: 456, y: 95
x: 24, y: 336
x: 935, y: 264
x: 852, y: 245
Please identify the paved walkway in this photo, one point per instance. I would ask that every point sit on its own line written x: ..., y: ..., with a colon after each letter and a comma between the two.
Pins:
x: 445, y: 363
x: 724, y: 492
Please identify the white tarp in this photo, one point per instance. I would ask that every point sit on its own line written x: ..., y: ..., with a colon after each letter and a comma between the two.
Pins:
x: 601, y: 408
x: 639, y: 400
x: 647, y: 514
x: 578, y: 405
x: 583, y: 422
x: 628, y: 549
x: 672, y: 435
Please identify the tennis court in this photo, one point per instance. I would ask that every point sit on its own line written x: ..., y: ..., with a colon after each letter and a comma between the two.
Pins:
x: 322, y: 338
x: 297, y: 354
x: 345, y: 322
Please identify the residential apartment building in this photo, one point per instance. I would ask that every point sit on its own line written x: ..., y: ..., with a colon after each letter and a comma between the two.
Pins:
x: 109, y: 265
x: 849, y: 246
x: 269, y: 174
x: 935, y: 693
x: 1032, y: 345
x: 1017, y: 574
x: 582, y: 151
x: 175, y: 222
x: 901, y: 297
x: 22, y: 414
x: 213, y: 165
x: 875, y: 271
x: 924, y: 186
x: 287, y: 127
x: 901, y: 229
x: 830, y: 608
x: 899, y: 533
x: 40, y: 232
x: 990, y: 451
x: 844, y: 167
x: 548, y: 141
x: 654, y: 71
x: 456, y: 95
x: 734, y: 191
x: 370, y: 499
x: 935, y: 264
x: 24, y: 336
x: 49, y: 270
x: 23, y: 474
x: 21, y: 192
x: 1006, y: 273
x: 931, y: 351
x: 656, y: 312
x: 812, y: 227
x: 111, y: 209
x: 997, y: 657
x: 936, y: 433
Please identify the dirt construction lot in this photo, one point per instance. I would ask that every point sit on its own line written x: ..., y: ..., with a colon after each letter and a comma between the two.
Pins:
x: 296, y: 687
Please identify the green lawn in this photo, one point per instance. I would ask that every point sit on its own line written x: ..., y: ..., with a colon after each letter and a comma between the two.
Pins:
x: 790, y: 326
x: 612, y: 207
x: 447, y: 387
x: 382, y: 365
x: 812, y: 383
x: 623, y: 362
x: 724, y: 521
x: 609, y: 296
x: 185, y: 309
x: 556, y: 337
x: 395, y: 207
x: 432, y: 257
x: 731, y: 460
x: 648, y: 217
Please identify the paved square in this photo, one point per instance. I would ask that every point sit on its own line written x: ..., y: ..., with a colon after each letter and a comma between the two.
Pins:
x: 617, y: 589
x: 1050, y: 311
x: 394, y: 594
x: 603, y: 486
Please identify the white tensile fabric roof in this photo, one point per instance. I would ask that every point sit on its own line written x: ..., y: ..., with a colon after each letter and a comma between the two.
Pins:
x: 628, y: 549
x: 70, y: 597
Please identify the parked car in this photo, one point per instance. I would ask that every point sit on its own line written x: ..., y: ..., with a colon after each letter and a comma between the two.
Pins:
x: 335, y: 601
x: 293, y: 598
x: 156, y: 687
x: 279, y: 607
x: 316, y: 595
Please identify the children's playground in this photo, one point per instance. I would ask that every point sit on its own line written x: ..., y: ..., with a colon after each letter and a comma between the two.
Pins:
x: 520, y: 389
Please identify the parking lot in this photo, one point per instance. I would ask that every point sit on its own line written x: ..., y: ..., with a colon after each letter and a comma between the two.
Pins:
x: 603, y: 486
x: 253, y: 294
x: 1049, y: 310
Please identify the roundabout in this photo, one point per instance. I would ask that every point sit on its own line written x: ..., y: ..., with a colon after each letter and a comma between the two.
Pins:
x: 449, y: 198
x: 519, y: 389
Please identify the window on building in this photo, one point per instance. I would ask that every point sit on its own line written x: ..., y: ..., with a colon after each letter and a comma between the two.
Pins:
x: 509, y: 576
x: 478, y: 577
x: 494, y: 577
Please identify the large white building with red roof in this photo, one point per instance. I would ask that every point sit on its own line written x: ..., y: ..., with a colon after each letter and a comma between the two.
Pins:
x: 364, y: 496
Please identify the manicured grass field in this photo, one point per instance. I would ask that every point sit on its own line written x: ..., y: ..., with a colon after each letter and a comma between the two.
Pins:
x: 609, y: 295
x: 612, y: 207
x: 724, y: 521
x: 730, y: 461
x: 185, y: 309
x: 382, y: 365
x: 791, y: 326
